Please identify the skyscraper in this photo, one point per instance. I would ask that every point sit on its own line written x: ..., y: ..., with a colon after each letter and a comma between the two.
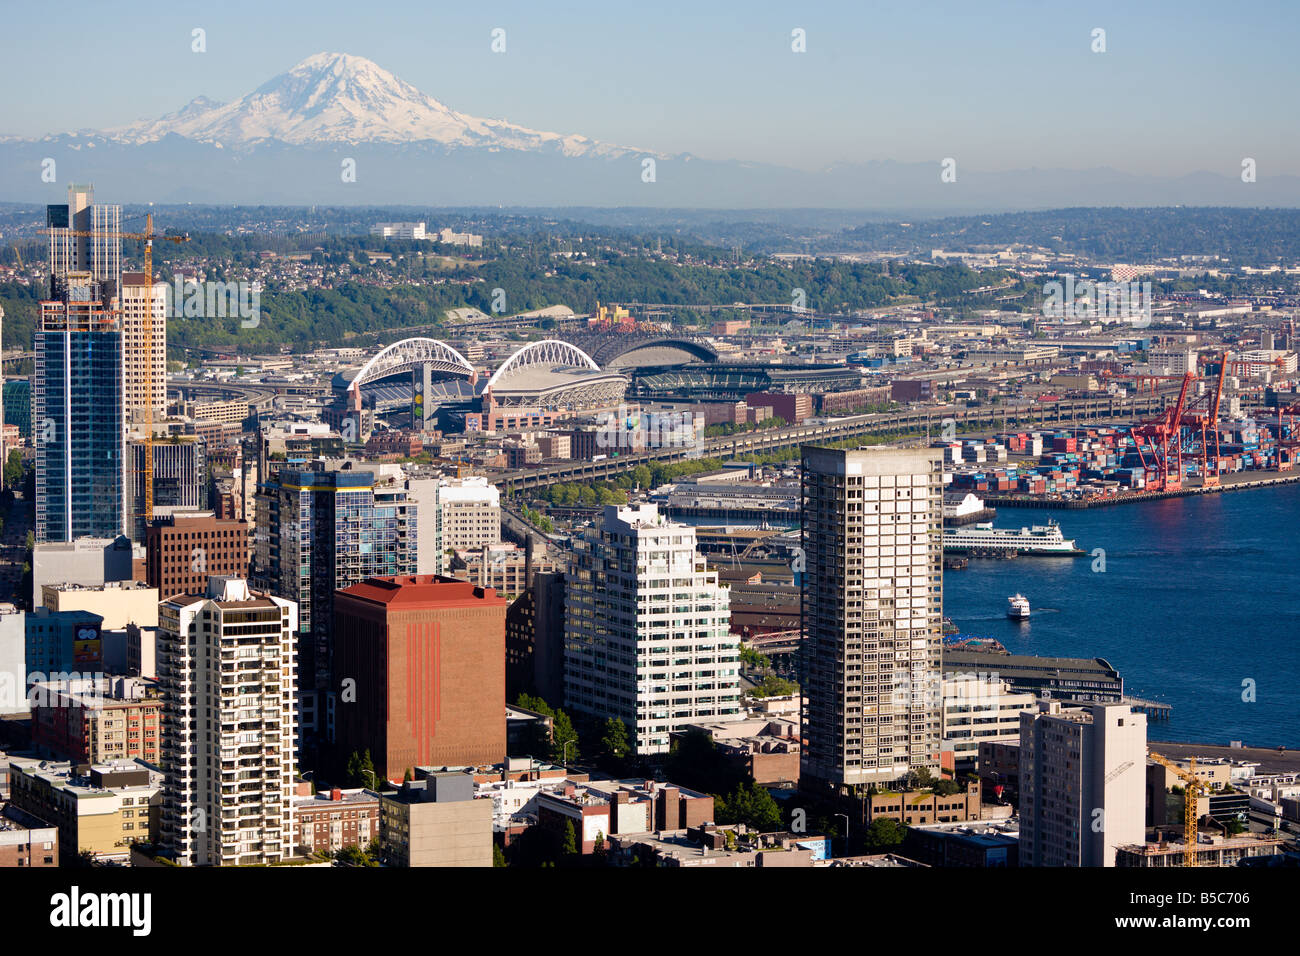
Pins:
x: 77, y: 387
x: 99, y: 255
x: 141, y: 385
x: 648, y: 629
x: 319, y: 531
x: 872, y: 614
x: 226, y: 666
x: 1082, y: 783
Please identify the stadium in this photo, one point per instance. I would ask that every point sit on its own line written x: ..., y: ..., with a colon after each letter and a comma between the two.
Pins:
x: 539, y: 383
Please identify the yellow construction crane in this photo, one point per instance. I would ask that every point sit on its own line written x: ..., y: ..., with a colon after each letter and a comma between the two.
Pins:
x: 1191, y: 799
x: 148, y: 236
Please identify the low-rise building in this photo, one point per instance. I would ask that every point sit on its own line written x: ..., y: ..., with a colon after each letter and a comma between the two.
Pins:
x: 26, y: 840
x: 598, y: 809
x: 764, y: 749
x: 98, y: 720
x: 919, y: 807
x: 990, y: 846
x: 1212, y: 850
x: 99, y: 811
x: 436, y: 821
x: 119, y: 603
x: 333, y: 819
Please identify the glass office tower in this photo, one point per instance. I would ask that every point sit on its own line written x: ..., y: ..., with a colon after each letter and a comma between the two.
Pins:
x: 77, y: 417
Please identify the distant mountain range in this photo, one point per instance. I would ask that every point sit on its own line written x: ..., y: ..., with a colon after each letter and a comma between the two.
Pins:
x: 287, y: 142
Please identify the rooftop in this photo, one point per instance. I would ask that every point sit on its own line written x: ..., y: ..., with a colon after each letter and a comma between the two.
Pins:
x: 423, y: 590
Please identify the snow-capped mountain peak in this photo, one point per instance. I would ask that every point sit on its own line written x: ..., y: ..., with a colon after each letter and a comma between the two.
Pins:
x: 336, y: 98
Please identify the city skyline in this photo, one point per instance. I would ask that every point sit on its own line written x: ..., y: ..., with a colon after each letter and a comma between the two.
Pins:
x: 547, y: 440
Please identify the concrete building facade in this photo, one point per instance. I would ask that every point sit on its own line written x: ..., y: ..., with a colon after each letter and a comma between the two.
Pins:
x: 1082, y: 783
x: 227, y: 670
x: 647, y: 629
x: 872, y: 610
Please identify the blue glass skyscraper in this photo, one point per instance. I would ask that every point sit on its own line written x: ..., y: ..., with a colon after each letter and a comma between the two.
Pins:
x: 77, y: 401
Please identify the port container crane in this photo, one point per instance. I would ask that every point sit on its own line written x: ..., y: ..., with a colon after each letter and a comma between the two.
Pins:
x: 1159, y: 433
x: 1202, y: 427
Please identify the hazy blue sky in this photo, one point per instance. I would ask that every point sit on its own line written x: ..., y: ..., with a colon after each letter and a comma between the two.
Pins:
x: 1183, y: 86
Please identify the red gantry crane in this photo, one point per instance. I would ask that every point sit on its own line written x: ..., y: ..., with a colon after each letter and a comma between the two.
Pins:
x: 1161, y: 437
x: 1287, y: 440
x: 1201, y: 428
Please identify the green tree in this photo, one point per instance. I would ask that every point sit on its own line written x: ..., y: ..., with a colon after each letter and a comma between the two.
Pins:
x: 570, y: 845
x: 361, y: 770
x: 751, y: 805
x: 13, y: 473
x: 773, y: 686
x: 615, y: 742
x: 565, y: 747
x: 498, y: 855
x: 600, y: 854
x: 563, y: 743
x: 883, y: 835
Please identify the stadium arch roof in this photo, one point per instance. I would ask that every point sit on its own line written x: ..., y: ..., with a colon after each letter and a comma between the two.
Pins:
x: 547, y: 352
x: 409, y: 354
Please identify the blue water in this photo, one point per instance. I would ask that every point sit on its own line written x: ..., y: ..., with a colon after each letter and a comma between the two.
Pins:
x: 1198, y: 595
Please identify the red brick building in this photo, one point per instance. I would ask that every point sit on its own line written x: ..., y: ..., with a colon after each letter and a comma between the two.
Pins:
x: 334, y: 819
x: 183, y: 550
x: 793, y: 407
x: 427, y: 660
x: 121, y: 722
x: 25, y: 840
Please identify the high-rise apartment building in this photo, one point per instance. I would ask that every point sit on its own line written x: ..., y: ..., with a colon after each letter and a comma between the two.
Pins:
x: 317, y: 532
x: 426, y: 661
x: 1082, y: 783
x: 77, y: 405
x: 871, y: 566
x: 647, y: 632
x: 226, y: 668
x: 143, y: 386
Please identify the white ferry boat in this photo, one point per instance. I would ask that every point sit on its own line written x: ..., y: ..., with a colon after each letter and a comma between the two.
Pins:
x: 1041, y: 539
x: 1018, y: 607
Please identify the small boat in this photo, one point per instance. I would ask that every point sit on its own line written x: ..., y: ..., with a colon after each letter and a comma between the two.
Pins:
x: 1018, y: 608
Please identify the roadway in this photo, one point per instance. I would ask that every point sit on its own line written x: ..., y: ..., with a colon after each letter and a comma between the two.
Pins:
x: 884, y: 423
